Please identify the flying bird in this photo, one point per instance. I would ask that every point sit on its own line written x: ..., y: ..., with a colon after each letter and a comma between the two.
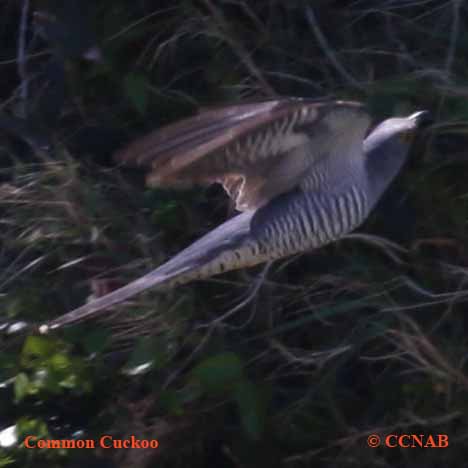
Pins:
x: 302, y: 173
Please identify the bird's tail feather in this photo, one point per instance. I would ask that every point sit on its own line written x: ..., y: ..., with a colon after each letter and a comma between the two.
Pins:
x: 194, y: 262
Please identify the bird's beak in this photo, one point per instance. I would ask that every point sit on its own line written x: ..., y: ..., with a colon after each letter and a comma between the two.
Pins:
x: 422, y: 118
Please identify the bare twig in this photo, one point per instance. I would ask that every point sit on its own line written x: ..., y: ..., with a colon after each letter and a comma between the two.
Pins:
x: 252, y: 294
x: 22, y: 56
x: 456, y: 4
x: 134, y: 24
x: 328, y: 51
x: 238, y: 48
x: 388, y: 247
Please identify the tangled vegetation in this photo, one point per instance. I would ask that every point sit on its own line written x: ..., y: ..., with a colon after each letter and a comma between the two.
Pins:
x: 294, y: 365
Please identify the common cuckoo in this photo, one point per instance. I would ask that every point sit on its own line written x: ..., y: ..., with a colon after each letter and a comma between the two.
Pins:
x: 302, y: 173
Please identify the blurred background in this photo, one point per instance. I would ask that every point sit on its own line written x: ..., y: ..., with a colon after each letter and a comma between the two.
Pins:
x: 294, y: 366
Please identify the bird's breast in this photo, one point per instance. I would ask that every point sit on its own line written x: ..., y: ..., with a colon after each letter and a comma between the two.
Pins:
x: 310, y: 220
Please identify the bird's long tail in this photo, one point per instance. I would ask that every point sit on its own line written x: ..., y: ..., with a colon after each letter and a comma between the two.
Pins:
x: 225, y: 248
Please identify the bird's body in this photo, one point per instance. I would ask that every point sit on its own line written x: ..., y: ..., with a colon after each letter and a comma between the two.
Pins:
x: 301, y: 171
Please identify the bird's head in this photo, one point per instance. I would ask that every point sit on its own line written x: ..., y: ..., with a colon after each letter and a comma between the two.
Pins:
x: 397, y: 130
x: 387, y: 146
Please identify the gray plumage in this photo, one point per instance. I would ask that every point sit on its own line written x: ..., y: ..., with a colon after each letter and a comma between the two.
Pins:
x: 302, y: 172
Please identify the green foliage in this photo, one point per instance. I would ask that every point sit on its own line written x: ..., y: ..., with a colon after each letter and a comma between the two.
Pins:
x: 223, y: 374
x: 32, y: 427
x: 218, y: 373
x: 251, y: 407
x: 49, y: 369
x: 6, y: 460
x: 146, y: 354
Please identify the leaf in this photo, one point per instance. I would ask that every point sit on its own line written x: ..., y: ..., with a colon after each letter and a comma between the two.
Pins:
x: 251, y: 409
x: 22, y: 386
x: 217, y: 373
x: 37, y: 427
x: 59, y: 362
x: 36, y: 348
x: 136, y: 89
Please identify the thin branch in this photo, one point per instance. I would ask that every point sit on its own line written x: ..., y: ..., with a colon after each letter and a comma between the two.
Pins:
x: 22, y: 56
x: 251, y: 295
x: 328, y: 51
x: 456, y: 4
x: 238, y: 48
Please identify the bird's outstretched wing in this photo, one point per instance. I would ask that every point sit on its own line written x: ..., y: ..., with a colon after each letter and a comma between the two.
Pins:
x: 259, y: 152
x: 256, y: 151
